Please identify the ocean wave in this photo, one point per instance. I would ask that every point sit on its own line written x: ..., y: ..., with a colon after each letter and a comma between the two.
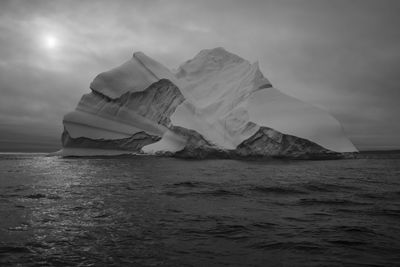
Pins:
x: 332, y: 201
x: 212, y: 193
x: 227, y: 231
x: 277, y: 190
x: 41, y: 195
x: 13, y: 249
x: 276, y: 245
x: 191, y: 184
x: 328, y: 188
x: 344, y: 242
x: 354, y: 229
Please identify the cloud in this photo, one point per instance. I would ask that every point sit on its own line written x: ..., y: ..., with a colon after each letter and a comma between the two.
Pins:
x: 339, y: 55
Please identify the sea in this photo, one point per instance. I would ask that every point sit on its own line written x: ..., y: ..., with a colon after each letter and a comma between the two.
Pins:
x: 152, y: 211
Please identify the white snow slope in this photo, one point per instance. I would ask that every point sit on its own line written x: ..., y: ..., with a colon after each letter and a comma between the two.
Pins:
x: 227, y: 100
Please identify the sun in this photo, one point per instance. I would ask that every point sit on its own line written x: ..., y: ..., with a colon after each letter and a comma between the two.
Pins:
x: 50, y: 41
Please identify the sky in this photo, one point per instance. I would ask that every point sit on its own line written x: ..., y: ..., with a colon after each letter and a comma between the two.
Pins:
x: 342, y: 56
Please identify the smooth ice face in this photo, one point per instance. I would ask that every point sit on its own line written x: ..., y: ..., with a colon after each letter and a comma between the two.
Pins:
x: 292, y: 116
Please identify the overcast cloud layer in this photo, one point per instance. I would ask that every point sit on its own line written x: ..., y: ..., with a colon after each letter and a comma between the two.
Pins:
x: 343, y: 56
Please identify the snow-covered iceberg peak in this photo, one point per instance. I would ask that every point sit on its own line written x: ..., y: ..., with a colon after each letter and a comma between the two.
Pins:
x: 135, y: 75
x: 217, y: 85
x: 215, y: 73
x: 208, y: 60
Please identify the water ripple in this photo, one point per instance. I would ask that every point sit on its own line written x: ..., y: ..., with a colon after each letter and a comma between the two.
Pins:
x: 146, y: 211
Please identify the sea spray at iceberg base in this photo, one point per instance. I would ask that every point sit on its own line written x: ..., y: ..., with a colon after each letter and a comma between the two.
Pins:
x: 216, y: 105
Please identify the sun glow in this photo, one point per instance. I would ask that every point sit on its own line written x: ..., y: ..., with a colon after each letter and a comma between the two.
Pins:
x: 50, y: 41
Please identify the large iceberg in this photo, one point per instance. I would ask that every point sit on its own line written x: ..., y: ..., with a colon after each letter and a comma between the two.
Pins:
x: 215, y: 105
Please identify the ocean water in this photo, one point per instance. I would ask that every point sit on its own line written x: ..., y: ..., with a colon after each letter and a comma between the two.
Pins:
x: 147, y: 211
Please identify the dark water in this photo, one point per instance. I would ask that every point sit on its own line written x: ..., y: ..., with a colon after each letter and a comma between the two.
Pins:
x: 167, y: 212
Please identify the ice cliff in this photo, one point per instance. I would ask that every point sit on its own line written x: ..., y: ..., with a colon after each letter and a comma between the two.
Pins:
x: 215, y: 105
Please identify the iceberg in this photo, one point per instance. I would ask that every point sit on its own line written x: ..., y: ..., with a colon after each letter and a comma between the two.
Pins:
x: 215, y: 105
